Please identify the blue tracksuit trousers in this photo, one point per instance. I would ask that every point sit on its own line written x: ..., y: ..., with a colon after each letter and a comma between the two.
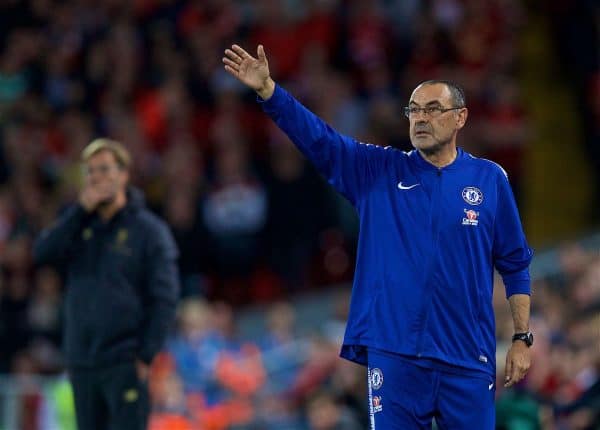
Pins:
x: 407, y: 394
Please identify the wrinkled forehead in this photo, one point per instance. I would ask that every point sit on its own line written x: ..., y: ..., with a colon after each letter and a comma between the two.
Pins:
x: 429, y: 93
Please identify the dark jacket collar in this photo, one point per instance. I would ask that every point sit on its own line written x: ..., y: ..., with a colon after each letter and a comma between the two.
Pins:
x: 135, y: 199
x: 135, y: 202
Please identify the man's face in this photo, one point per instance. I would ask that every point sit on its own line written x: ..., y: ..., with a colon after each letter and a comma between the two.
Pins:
x: 104, y: 173
x: 429, y: 132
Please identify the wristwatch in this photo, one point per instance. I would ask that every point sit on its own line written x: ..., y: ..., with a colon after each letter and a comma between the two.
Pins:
x: 526, y: 337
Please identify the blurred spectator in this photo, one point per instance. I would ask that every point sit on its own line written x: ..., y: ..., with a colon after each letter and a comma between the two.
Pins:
x: 13, y: 314
x: 44, y: 320
x: 196, y: 348
x: 234, y: 212
x: 282, y: 355
x: 298, y: 210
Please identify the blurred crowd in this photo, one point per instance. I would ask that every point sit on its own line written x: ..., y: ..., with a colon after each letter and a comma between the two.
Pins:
x: 253, y: 221
x: 562, y: 389
x: 575, y: 32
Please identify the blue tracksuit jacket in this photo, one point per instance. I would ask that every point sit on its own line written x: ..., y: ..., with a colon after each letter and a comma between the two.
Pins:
x: 429, y: 240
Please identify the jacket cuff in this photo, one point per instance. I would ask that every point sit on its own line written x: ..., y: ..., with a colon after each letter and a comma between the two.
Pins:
x: 275, y: 101
x: 517, y: 283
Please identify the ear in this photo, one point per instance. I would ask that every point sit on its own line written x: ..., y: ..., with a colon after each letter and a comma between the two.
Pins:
x: 462, y: 118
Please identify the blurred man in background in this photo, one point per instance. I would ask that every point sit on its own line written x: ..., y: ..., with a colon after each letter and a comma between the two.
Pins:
x: 121, y: 288
x: 434, y: 224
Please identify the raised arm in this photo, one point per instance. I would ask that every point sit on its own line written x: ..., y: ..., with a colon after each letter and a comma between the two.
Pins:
x: 350, y: 166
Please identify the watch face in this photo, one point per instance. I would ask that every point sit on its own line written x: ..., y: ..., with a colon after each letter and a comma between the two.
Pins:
x: 525, y: 337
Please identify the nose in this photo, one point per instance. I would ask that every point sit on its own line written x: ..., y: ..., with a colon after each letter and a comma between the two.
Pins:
x: 93, y: 178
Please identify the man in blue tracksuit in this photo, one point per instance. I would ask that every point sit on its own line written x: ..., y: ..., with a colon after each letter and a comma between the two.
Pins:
x: 434, y: 223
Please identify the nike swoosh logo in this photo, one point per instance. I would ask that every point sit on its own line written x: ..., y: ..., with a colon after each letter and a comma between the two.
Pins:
x: 490, y: 386
x: 404, y: 187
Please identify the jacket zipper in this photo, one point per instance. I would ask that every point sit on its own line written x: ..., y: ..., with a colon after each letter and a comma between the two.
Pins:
x: 433, y: 260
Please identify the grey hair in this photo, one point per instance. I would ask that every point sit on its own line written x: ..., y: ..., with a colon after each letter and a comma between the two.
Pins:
x: 456, y: 92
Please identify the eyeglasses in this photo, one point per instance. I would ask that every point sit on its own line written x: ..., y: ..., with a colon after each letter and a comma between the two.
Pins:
x: 430, y: 111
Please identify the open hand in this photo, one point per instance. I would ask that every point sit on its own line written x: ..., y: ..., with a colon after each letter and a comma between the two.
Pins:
x: 253, y: 72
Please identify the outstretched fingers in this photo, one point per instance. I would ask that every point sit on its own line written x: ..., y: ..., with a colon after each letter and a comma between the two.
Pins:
x: 240, y: 52
x: 235, y: 58
x: 231, y: 70
x: 231, y: 64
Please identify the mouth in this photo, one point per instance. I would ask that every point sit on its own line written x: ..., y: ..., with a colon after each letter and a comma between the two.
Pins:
x: 421, y: 133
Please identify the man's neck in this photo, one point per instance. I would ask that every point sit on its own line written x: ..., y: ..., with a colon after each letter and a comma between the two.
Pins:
x: 442, y: 158
x: 108, y: 211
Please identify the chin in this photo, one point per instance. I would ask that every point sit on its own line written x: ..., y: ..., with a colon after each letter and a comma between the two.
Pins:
x: 428, y: 147
x: 423, y: 144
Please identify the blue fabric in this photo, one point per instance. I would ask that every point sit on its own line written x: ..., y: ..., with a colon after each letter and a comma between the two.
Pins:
x: 429, y: 241
x: 405, y: 396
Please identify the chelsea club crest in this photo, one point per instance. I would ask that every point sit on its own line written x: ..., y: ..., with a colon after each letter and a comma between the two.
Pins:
x: 376, y: 378
x: 472, y: 195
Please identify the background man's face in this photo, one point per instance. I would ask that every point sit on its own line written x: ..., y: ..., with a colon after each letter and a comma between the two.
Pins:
x: 429, y: 133
x: 104, y: 173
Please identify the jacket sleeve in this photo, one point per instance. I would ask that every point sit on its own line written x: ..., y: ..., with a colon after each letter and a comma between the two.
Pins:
x: 53, y: 244
x: 511, y: 253
x: 160, y: 291
x: 349, y: 166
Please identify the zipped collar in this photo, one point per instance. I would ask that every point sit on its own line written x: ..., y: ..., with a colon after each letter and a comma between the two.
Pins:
x: 417, y: 159
x: 135, y: 202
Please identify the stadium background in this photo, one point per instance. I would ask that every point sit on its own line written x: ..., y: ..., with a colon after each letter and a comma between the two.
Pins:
x: 266, y: 247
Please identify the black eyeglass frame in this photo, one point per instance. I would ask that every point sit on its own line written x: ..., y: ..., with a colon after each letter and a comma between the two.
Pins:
x: 428, y: 110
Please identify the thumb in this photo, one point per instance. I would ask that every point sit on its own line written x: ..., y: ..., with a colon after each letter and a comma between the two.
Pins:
x: 261, y: 54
